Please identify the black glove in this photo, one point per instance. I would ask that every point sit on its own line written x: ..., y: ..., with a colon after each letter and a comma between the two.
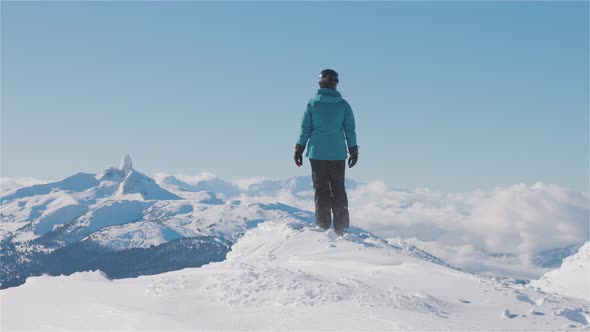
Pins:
x: 354, y: 156
x: 299, y: 154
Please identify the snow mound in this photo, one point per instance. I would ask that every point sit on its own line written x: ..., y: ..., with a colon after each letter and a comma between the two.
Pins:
x: 298, y: 264
x: 572, y: 278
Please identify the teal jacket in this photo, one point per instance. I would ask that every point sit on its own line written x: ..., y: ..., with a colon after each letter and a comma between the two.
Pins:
x: 328, y: 123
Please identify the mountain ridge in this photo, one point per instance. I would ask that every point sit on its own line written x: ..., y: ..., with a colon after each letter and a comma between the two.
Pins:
x: 120, y: 214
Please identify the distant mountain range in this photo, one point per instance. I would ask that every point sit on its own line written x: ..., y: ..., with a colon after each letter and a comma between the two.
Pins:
x: 127, y: 224
x: 124, y: 223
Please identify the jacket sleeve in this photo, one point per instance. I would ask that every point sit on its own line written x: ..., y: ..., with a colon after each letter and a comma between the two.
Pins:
x: 349, y: 127
x: 306, y: 126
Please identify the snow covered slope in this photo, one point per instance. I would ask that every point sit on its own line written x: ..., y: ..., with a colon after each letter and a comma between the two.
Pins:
x: 288, y: 275
x: 572, y: 278
x: 114, y: 196
x: 10, y: 184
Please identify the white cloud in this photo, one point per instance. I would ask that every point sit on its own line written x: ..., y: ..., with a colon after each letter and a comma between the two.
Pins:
x: 486, y: 231
x: 502, y: 229
x: 245, y: 183
x: 189, y: 179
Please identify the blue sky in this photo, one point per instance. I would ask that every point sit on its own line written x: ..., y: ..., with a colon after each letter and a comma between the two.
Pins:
x: 452, y: 96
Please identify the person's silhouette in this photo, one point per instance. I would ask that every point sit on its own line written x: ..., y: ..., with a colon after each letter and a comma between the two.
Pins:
x: 327, y: 128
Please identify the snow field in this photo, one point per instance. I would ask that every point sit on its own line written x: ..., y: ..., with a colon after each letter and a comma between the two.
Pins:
x: 290, y: 275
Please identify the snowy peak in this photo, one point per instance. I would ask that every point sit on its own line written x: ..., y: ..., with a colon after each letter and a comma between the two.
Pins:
x: 134, y: 184
x: 572, y: 278
x: 581, y: 259
x: 43, y: 207
x: 138, y: 183
x: 126, y: 164
x: 117, y: 174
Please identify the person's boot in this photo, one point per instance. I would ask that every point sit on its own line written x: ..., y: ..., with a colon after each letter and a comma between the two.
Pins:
x: 341, y: 223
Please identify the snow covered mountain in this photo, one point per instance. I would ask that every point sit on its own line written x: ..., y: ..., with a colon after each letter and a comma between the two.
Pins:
x: 213, y: 254
x: 572, y: 278
x: 120, y: 221
x: 207, y: 183
x: 300, y: 186
x: 124, y: 212
x: 8, y: 184
x: 286, y: 274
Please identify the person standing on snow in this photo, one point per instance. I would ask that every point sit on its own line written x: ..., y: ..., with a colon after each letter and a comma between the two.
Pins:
x: 328, y: 125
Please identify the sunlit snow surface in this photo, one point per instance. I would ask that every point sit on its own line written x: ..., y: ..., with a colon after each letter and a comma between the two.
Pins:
x: 572, y: 278
x: 288, y: 274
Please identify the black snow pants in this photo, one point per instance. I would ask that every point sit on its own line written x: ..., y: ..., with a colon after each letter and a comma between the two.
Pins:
x: 330, y: 195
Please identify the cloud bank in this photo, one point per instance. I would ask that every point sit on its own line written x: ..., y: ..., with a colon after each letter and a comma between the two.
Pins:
x: 520, y: 230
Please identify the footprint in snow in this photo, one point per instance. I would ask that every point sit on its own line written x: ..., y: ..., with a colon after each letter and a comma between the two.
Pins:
x: 524, y: 298
x: 575, y: 315
x: 536, y: 313
x: 463, y: 301
x: 508, y: 314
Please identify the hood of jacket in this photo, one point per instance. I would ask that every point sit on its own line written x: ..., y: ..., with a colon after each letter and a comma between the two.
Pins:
x: 327, y: 95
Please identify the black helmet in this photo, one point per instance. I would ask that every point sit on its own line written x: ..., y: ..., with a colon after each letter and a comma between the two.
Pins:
x: 328, y: 78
